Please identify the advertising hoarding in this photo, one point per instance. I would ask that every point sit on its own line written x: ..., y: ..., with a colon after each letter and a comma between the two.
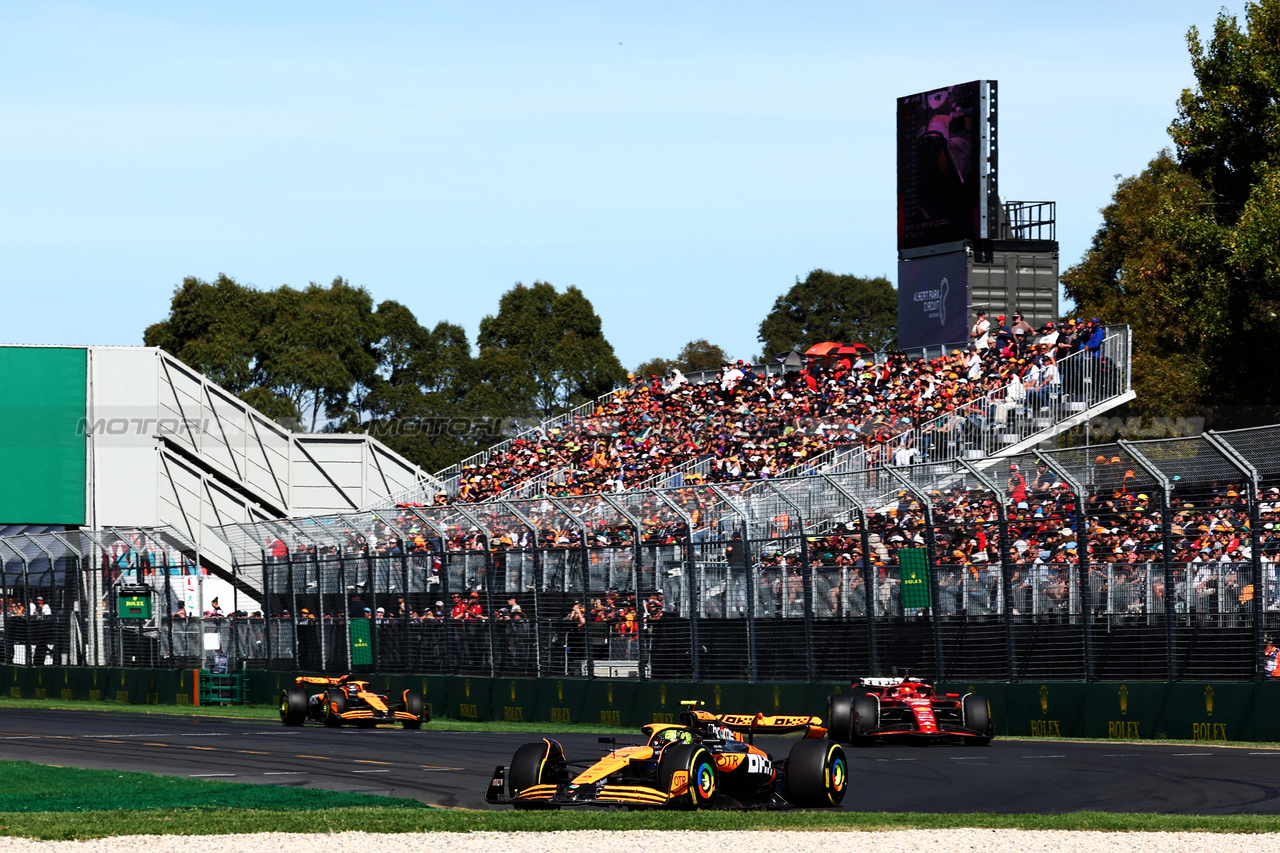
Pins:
x: 933, y: 300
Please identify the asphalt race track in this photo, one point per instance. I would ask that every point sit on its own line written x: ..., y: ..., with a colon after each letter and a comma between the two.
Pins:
x: 453, y: 768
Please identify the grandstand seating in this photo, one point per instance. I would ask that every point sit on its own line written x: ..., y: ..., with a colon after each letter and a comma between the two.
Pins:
x: 864, y: 414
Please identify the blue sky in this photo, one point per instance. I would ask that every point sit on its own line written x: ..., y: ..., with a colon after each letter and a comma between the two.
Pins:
x: 680, y: 163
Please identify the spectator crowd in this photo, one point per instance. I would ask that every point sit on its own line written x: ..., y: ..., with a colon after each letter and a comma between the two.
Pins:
x: 747, y: 425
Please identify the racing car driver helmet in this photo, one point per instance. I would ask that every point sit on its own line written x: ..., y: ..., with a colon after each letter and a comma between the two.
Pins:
x: 673, y: 735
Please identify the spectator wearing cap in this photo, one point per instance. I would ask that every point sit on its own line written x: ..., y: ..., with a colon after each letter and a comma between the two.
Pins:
x: 1021, y: 325
x: 1003, y: 334
x: 1049, y: 335
x: 1066, y: 342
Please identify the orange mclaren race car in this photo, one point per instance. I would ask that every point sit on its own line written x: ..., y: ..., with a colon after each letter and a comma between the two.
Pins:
x: 705, y: 760
x: 334, y: 701
x: 907, y: 709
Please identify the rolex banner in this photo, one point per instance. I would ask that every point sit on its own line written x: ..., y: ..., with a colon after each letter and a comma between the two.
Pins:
x: 361, y: 643
x: 913, y: 568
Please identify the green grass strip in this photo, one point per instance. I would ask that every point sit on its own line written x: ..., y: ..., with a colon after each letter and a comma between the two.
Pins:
x: 42, y: 788
x: 64, y: 826
x: 264, y: 713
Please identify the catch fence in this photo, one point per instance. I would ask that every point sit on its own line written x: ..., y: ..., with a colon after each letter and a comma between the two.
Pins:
x: 1148, y: 560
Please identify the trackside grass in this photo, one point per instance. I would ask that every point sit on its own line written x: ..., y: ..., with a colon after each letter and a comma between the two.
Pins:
x: 263, y: 713
x: 81, y: 825
x: 39, y: 801
x: 29, y: 787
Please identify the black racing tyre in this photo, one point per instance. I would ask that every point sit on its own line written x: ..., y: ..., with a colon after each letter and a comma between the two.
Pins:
x: 699, y: 767
x: 866, y: 719
x: 293, y: 706
x: 335, y: 706
x: 976, y: 711
x: 840, y: 717
x: 539, y: 763
x: 414, y: 705
x: 817, y: 774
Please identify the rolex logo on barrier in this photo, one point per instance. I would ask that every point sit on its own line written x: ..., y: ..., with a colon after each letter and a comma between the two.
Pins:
x: 466, y: 687
x: 662, y: 695
x: 513, y: 691
x: 777, y: 696
x: 560, y: 691
x: 1044, y: 698
x: 609, y: 690
x: 717, y: 695
x: 1124, y: 699
x: 1208, y: 700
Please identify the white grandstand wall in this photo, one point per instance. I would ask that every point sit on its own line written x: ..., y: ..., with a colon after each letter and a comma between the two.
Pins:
x: 167, y: 446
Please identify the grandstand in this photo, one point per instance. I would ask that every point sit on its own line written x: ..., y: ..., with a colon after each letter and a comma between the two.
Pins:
x: 129, y: 437
x: 775, y: 424
x: 657, y: 554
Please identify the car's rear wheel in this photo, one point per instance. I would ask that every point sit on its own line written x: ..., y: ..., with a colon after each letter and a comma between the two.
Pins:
x: 977, y: 717
x: 817, y: 774
x: 335, y: 706
x: 540, y: 763
x: 293, y: 706
x: 699, y: 768
x: 414, y: 705
x: 866, y: 719
x: 840, y: 717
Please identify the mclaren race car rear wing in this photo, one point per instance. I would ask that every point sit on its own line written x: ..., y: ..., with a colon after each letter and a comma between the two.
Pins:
x: 750, y: 724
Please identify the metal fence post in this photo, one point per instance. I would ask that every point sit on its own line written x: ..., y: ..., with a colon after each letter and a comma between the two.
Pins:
x: 870, y: 577
x: 1166, y: 554
x: 931, y: 556
x: 1006, y: 579
x: 1255, y: 543
x: 806, y: 574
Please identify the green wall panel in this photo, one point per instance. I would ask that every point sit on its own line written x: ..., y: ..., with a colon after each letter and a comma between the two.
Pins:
x: 42, y: 435
x: 1203, y: 711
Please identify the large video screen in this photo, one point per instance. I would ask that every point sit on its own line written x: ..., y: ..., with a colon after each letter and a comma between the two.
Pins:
x: 945, y: 179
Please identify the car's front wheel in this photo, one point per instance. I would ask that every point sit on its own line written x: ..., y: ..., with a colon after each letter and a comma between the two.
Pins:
x: 335, y: 706
x: 977, y: 718
x: 540, y: 763
x: 840, y: 717
x: 866, y: 719
x: 700, y: 777
x: 414, y: 705
x: 293, y: 706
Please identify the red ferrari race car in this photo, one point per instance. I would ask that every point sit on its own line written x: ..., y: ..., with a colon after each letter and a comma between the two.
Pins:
x: 705, y: 760
x: 907, y: 709
x: 335, y: 701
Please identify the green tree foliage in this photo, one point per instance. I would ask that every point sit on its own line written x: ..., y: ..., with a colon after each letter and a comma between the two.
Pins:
x: 1188, y: 251
x: 693, y: 356
x: 547, y: 347
x: 423, y: 401
x: 292, y: 354
x: 830, y: 307
x: 213, y: 327
x: 325, y: 358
